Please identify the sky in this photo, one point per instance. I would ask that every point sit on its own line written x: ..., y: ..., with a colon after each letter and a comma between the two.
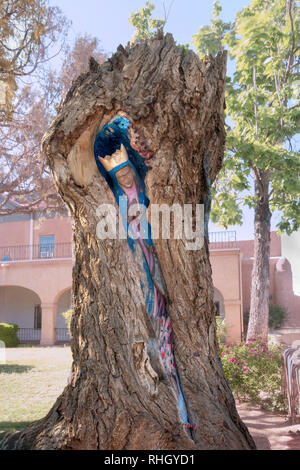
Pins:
x: 108, y: 21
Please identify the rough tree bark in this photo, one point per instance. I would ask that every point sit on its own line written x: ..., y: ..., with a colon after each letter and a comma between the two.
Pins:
x: 115, y: 399
x: 260, y: 281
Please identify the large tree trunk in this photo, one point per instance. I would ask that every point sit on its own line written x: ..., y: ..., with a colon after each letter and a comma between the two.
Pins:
x: 116, y: 400
x: 260, y: 285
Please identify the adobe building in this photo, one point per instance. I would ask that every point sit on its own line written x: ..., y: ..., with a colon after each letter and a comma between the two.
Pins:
x: 232, y: 263
x: 36, y: 278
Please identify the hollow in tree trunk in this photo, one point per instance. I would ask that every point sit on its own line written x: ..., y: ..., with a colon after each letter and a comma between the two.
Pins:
x: 120, y: 396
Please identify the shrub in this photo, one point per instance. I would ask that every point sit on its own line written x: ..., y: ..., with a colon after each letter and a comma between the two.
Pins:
x: 253, y: 370
x: 8, y: 334
x: 277, y: 316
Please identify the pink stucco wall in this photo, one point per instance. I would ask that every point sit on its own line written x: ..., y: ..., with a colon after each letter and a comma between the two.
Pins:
x: 18, y: 233
x: 247, y: 265
x: 15, y: 233
x: 281, y: 284
x: 227, y: 282
x: 226, y: 275
x: 61, y: 228
x: 247, y: 246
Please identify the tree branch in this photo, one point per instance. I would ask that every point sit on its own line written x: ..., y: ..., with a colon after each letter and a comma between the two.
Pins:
x: 292, y: 54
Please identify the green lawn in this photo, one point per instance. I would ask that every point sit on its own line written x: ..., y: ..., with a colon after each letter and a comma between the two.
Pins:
x: 30, y: 381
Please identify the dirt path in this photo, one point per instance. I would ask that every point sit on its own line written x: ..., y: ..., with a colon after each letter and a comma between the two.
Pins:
x: 270, y: 431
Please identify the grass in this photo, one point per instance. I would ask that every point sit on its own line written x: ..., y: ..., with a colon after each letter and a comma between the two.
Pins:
x: 30, y: 381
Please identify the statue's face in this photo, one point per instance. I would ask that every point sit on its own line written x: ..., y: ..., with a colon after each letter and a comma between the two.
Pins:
x: 125, y: 176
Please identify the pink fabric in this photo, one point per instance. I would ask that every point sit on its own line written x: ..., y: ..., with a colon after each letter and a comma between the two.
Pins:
x: 159, y: 307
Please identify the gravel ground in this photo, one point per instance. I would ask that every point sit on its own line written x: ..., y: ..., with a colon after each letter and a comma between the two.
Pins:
x: 270, y: 431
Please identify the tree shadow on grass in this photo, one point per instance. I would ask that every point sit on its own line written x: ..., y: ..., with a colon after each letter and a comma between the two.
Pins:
x: 8, y: 428
x: 13, y: 426
x: 14, y: 368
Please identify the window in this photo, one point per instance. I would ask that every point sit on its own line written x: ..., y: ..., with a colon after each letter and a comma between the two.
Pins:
x: 47, y: 246
x: 37, y: 317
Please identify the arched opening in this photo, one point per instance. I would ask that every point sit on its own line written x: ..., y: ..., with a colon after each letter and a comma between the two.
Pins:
x: 219, y: 303
x: 22, y: 307
x: 64, y: 303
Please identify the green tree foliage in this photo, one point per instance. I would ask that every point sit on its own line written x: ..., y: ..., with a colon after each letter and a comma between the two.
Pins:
x: 262, y: 101
x: 145, y: 26
x: 261, y: 168
x: 209, y: 39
